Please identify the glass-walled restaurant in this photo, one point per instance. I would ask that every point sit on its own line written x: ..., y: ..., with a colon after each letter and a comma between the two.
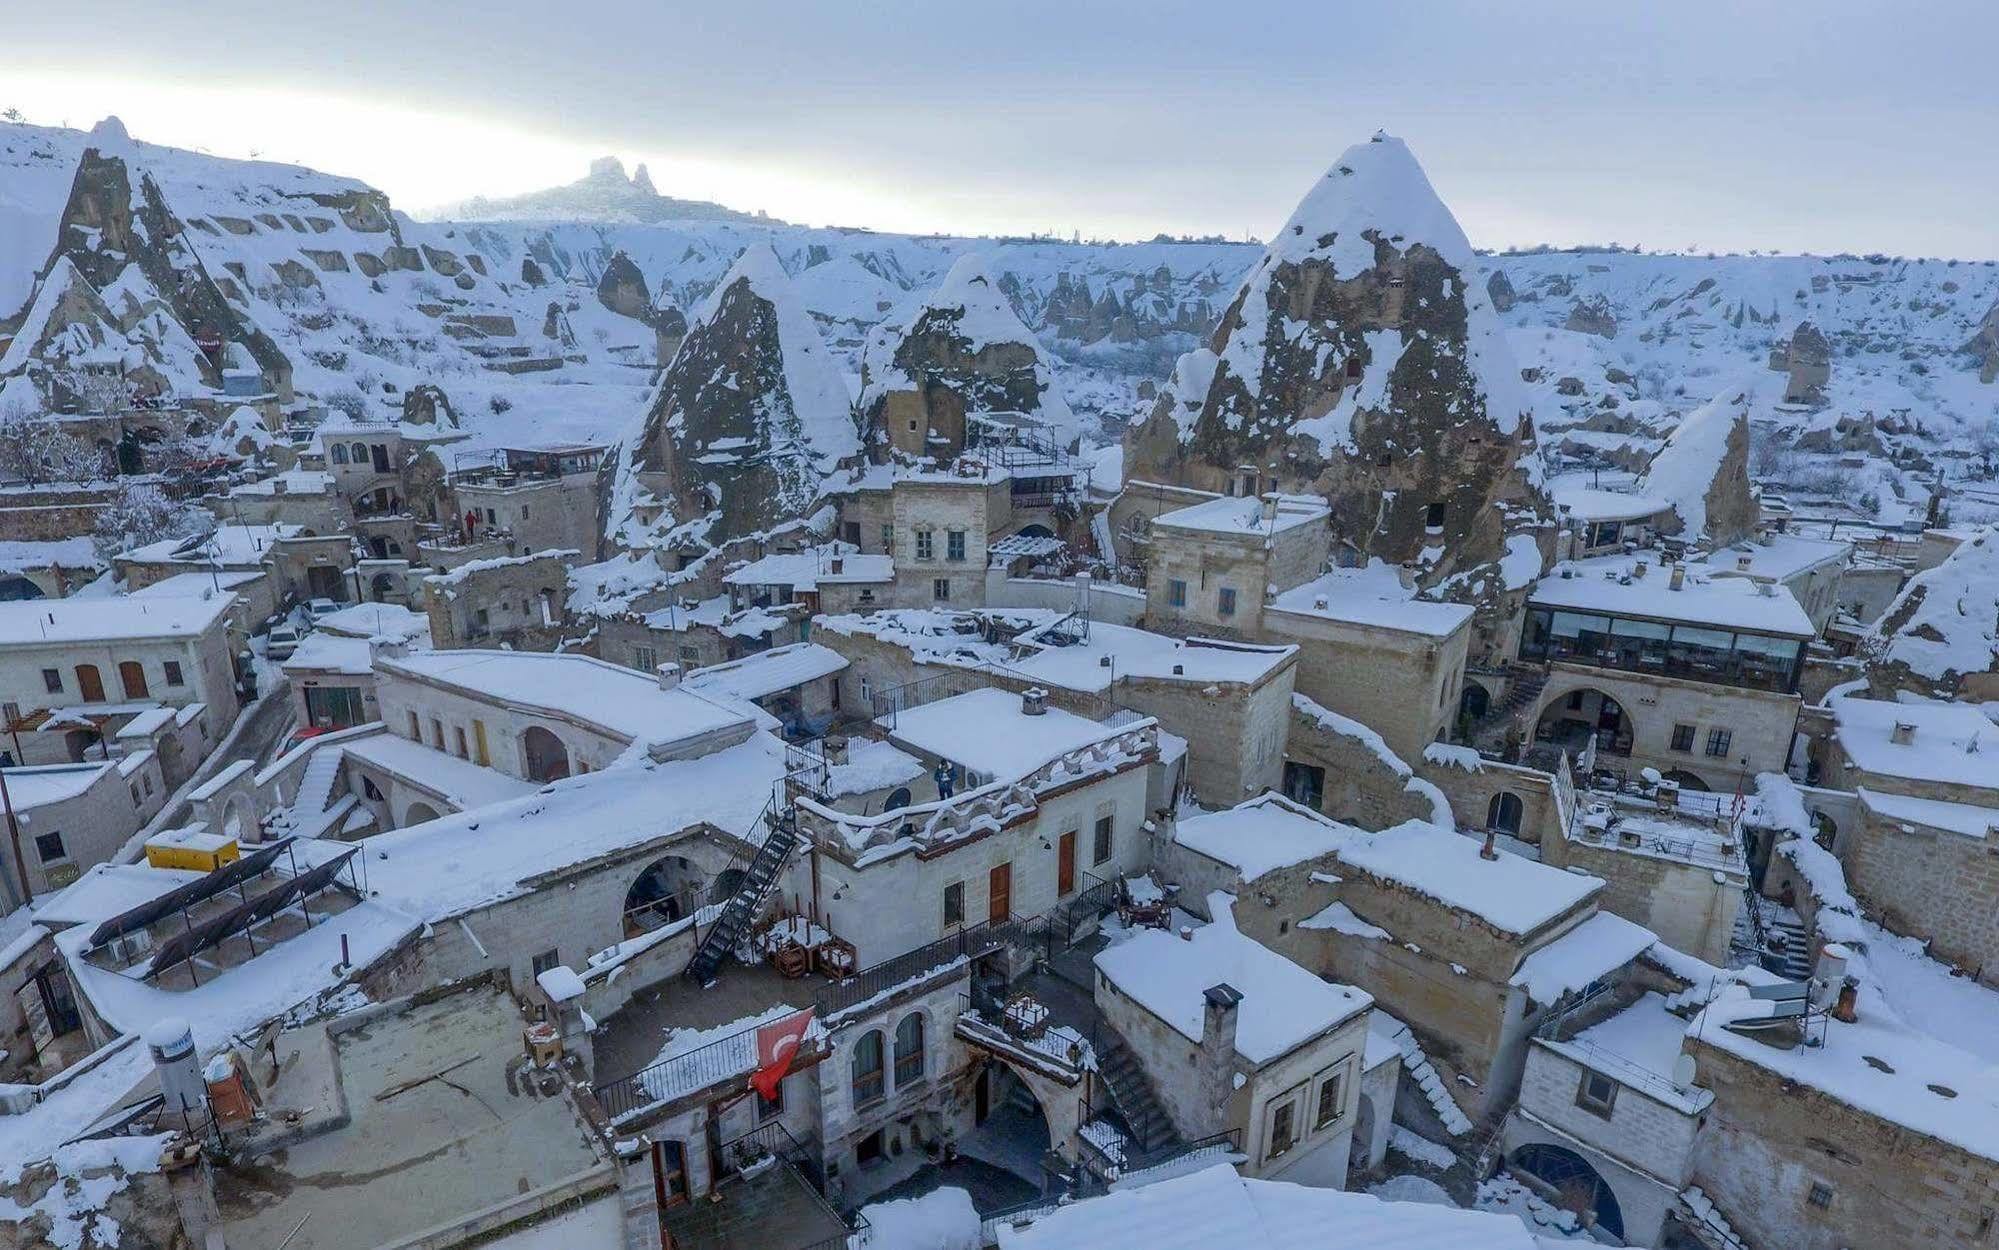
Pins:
x: 1731, y: 657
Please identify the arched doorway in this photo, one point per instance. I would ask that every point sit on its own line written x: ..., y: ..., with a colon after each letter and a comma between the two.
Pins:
x: 13, y: 589
x: 1574, y: 1184
x: 78, y: 742
x: 1474, y: 702
x: 382, y: 587
x: 1036, y: 531
x: 1503, y: 812
x: 418, y: 813
x: 546, y: 759
x: 132, y: 675
x: 1360, y: 1149
x: 1686, y: 780
x: 667, y: 890
x: 1574, y: 718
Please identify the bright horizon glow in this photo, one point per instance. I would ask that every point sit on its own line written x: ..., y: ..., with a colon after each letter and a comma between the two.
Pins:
x: 1713, y: 127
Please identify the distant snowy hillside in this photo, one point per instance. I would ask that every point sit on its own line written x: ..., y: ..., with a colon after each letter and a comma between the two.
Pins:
x: 604, y: 194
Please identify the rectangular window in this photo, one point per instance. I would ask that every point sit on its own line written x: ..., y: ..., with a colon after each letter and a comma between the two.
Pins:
x: 926, y: 545
x: 770, y: 1108
x: 1718, y: 741
x: 52, y: 680
x: 1225, y: 601
x: 49, y: 846
x: 546, y: 960
x: 1283, y: 1129
x: 888, y: 539
x: 645, y: 659
x: 1820, y: 1196
x: 1100, y: 846
x: 173, y: 673
x: 437, y: 733
x: 1683, y: 737
x: 689, y: 655
x: 940, y: 589
x: 479, y: 743
x: 954, y: 904
x: 954, y: 545
x: 1575, y: 700
x: 458, y: 742
x: 1597, y: 1093
x: 1329, y: 1101
x: 1176, y: 593
x: 416, y: 728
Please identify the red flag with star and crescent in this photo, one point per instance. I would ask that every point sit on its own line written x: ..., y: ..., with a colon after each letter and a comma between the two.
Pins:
x: 777, y: 1044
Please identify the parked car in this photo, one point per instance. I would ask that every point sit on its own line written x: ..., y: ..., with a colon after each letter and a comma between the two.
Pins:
x: 317, y: 608
x: 282, y: 641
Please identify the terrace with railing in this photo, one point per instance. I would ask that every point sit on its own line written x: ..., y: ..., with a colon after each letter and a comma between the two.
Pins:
x: 768, y: 1189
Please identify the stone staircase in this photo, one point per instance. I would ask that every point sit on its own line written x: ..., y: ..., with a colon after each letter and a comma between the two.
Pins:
x: 1524, y: 687
x: 315, y: 785
x: 741, y: 908
x: 1146, y: 1122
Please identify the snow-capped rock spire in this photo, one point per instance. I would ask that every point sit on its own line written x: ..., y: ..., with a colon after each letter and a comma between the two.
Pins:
x: 1703, y: 470
x: 1361, y: 359
x: 956, y: 354
x: 752, y: 415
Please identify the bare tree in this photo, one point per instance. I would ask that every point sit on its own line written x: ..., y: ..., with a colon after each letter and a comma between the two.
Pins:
x: 37, y: 449
x: 142, y: 513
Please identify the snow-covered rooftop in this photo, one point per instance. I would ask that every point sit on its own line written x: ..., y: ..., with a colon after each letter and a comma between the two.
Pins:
x: 1612, y: 584
x: 330, y: 653
x: 376, y: 620
x: 1953, y: 742
x: 1970, y: 819
x: 461, y: 782
x: 1050, y: 654
x: 293, y: 482
x: 231, y: 546
x: 1596, y: 947
x: 1776, y: 556
x: 1239, y: 514
x: 1262, y: 835
x: 768, y: 672
x: 452, y: 865
x: 21, y: 555
x: 107, y: 889
x: 807, y: 570
x: 29, y: 788
x: 622, y: 701
x: 1283, y: 1006
x: 1373, y: 596
x: 988, y: 731
x: 1639, y: 1047
x: 1215, y: 1208
x: 1589, y: 503
x: 110, y: 618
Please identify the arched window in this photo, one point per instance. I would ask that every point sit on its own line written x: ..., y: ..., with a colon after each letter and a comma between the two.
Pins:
x: 909, y: 1049
x: 867, y: 1068
x: 359, y: 451
x: 1503, y: 813
x: 339, y: 453
x: 89, y: 684
x: 133, y: 675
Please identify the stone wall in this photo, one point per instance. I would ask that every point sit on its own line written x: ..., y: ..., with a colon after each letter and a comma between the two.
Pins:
x: 1473, y: 787
x: 1360, y: 786
x: 1768, y: 1141
x: 1760, y: 722
x: 1934, y: 884
x: 518, y: 602
x: 941, y: 509
x: 1404, y: 686
x: 1691, y: 906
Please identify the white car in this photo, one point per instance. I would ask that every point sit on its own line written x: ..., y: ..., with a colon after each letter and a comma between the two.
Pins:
x: 282, y: 641
x: 317, y: 608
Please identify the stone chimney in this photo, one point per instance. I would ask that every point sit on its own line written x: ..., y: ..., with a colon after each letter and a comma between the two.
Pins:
x: 1742, y: 563
x: 1638, y: 570
x: 1679, y: 578
x: 669, y: 676
x: 1903, y: 734
x: 1491, y: 848
x: 1034, y: 701
x: 1219, y: 1014
x: 1829, y: 975
x: 1270, y: 507
x: 838, y: 565
x: 278, y: 485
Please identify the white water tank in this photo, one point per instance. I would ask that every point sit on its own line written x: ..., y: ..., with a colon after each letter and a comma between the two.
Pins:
x: 171, y: 1042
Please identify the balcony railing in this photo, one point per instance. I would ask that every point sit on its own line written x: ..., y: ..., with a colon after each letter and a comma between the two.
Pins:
x: 968, y: 943
x: 725, y: 1060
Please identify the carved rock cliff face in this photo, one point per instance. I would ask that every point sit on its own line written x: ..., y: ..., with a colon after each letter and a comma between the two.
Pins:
x: 118, y: 237
x: 1703, y: 471
x: 1983, y: 349
x: 960, y: 355
x: 1940, y: 637
x: 752, y: 415
x: 1361, y: 360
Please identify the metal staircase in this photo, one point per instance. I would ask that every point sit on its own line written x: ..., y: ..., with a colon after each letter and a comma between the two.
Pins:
x: 1523, y: 690
x: 758, y: 877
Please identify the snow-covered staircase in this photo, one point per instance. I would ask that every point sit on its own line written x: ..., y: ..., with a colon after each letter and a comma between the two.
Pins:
x: 315, y: 786
x: 1706, y: 1222
x: 1424, y: 1074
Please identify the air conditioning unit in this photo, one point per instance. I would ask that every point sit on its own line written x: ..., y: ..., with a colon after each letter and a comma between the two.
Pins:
x: 129, y: 948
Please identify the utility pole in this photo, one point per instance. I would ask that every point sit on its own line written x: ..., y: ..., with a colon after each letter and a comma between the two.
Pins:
x: 14, y: 838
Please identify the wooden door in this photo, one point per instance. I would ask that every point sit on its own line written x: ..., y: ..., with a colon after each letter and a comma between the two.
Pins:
x: 132, y: 675
x: 999, y: 893
x: 1065, y: 864
x: 90, y: 683
x: 669, y: 1173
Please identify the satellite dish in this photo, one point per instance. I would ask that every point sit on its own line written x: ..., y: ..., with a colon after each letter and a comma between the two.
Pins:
x: 1683, y: 1070
x: 897, y: 800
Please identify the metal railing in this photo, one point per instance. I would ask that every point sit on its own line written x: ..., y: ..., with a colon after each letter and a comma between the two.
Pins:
x: 970, y: 942
x: 715, y: 1063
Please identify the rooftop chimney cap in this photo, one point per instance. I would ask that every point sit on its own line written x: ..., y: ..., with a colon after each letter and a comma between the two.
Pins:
x: 1034, y: 701
x: 1903, y: 733
x: 669, y: 675
x: 1679, y: 577
x: 1222, y: 995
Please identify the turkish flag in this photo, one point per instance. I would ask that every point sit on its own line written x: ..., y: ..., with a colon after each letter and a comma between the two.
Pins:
x: 777, y: 1043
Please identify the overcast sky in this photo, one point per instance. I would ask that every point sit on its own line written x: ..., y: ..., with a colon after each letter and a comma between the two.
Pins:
x: 1835, y: 125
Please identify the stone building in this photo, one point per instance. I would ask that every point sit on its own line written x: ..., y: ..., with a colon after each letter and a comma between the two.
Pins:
x: 513, y: 601
x: 278, y: 565
x: 73, y: 816
x: 1214, y: 565
x: 538, y: 498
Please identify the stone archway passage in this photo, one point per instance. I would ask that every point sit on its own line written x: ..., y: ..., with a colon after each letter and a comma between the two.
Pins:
x: 1503, y: 812
x: 1573, y: 718
x: 419, y: 812
x: 544, y: 756
x: 15, y: 588
x: 1577, y: 1186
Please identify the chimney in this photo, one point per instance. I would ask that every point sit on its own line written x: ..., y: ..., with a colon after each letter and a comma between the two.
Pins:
x: 1742, y: 563
x: 1033, y: 701
x: 1679, y: 577
x: 1270, y: 506
x: 1902, y: 734
x: 1638, y: 570
x: 1766, y: 589
x: 839, y: 564
x: 669, y: 676
x: 278, y: 485
x: 1829, y: 975
x: 1491, y: 848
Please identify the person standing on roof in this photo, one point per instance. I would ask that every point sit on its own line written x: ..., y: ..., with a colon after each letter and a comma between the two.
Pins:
x: 944, y: 775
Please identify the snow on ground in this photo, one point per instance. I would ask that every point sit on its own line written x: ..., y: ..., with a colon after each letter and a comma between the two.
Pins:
x: 596, y: 1226
x: 1420, y: 1149
x: 942, y: 1219
x: 1929, y: 996
x: 1411, y: 1189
